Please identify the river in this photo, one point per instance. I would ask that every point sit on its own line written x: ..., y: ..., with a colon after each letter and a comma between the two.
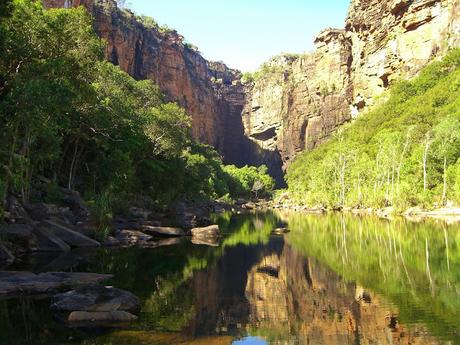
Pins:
x: 333, y: 279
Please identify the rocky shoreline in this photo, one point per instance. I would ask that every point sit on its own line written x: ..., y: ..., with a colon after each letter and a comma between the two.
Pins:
x: 77, y: 298
x: 449, y: 214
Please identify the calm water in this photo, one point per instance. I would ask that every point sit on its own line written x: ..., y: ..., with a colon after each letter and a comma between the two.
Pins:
x: 332, y: 280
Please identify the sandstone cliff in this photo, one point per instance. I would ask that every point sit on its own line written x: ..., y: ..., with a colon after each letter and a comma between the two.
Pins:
x: 296, y: 102
x: 210, y: 92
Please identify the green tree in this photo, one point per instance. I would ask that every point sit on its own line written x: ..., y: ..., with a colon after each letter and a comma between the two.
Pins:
x: 447, y: 147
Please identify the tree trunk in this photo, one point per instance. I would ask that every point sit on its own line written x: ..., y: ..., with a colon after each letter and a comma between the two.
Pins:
x: 425, y: 159
x: 444, y: 187
x: 72, y: 165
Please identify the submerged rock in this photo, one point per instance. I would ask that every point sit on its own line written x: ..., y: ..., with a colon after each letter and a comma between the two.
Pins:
x: 96, y: 306
x: 45, y: 241
x: 211, y: 231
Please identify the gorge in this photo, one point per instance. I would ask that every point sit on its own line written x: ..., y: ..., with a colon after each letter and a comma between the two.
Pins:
x: 294, y: 102
x: 142, y: 195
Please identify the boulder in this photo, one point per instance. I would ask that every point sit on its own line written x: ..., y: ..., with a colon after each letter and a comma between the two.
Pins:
x: 41, y: 211
x: 17, y: 231
x: 86, y: 318
x: 71, y: 237
x: 73, y: 200
x: 163, y: 231
x: 96, y: 298
x: 16, y: 210
x: 14, y: 283
x: 44, y: 240
x: 211, y: 231
x: 5, y: 255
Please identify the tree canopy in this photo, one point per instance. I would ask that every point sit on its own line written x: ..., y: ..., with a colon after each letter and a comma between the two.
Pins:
x: 69, y: 117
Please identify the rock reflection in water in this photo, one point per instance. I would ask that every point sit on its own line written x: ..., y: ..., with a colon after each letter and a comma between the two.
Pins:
x: 257, y: 287
x: 306, y: 302
x: 275, y: 292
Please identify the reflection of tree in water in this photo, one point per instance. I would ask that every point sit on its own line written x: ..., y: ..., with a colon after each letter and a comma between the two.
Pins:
x: 301, y: 291
x: 409, y: 263
x: 308, y: 303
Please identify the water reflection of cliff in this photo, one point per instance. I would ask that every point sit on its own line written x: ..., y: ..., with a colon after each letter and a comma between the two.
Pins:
x: 297, y: 300
x: 275, y: 292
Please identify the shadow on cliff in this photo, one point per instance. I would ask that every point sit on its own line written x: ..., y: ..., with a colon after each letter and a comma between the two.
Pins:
x: 239, y: 150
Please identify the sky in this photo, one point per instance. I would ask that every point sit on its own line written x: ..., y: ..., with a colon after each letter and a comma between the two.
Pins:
x: 245, y: 33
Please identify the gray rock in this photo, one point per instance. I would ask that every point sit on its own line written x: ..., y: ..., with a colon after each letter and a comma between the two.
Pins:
x: 14, y: 283
x: 16, y: 210
x: 211, y: 231
x: 74, y: 201
x: 96, y: 298
x: 41, y: 211
x: 17, y: 231
x: 163, y: 231
x: 95, y: 319
x: 5, y: 255
x: 45, y: 241
x: 71, y: 237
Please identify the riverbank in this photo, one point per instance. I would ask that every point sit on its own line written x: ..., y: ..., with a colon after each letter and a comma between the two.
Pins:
x: 449, y: 214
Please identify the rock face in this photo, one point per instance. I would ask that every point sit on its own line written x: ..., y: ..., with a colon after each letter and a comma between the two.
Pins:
x: 298, y: 101
x: 210, y: 92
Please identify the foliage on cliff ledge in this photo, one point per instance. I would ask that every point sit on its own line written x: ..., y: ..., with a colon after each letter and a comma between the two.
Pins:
x: 403, y: 153
x: 70, y: 117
